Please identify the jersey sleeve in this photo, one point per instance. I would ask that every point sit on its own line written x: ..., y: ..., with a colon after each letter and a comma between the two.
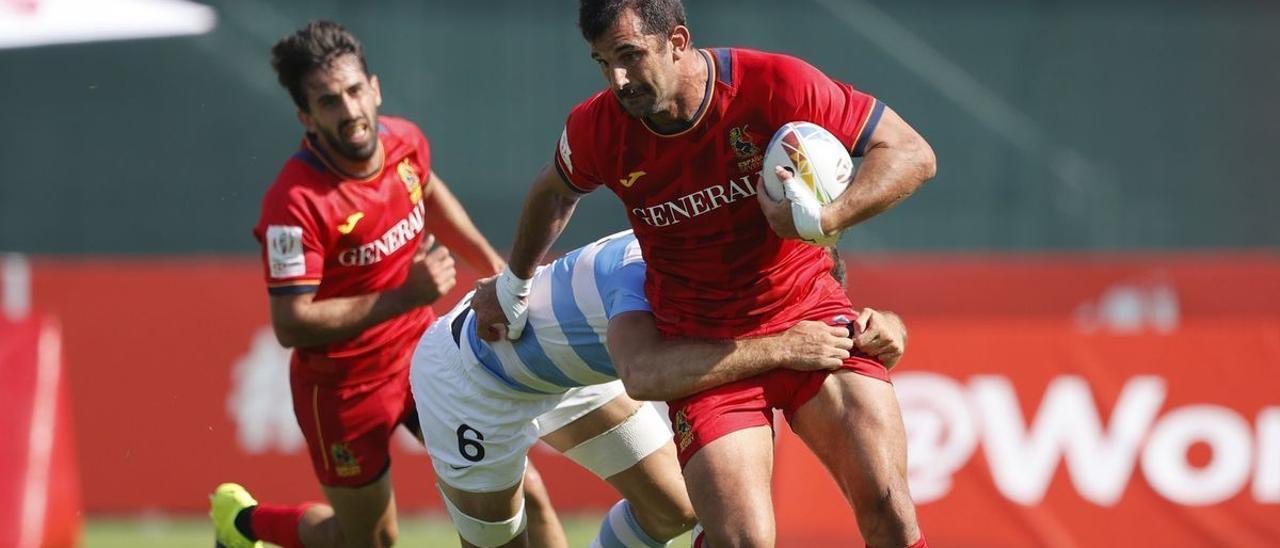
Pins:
x: 622, y: 290
x: 292, y: 256
x: 577, y: 150
x: 806, y: 94
x: 625, y: 291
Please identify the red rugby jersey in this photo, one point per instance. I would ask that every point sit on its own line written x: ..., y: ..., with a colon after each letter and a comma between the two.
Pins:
x: 323, y: 232
x: 716, y: 269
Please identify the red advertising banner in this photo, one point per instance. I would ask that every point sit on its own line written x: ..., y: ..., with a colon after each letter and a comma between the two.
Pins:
x: 178, y: 385
x: 1034, y: 433
x: 1054, y: 401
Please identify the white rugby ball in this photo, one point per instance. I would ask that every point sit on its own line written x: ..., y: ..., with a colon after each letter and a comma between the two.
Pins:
x: 818, y: 160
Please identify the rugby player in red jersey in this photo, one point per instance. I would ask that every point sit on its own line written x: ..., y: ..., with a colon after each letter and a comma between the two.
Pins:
x: 678, y: 136
x: 351, y: 281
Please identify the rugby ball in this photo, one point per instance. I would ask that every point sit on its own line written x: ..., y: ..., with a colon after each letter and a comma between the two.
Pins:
x: 816, y: 158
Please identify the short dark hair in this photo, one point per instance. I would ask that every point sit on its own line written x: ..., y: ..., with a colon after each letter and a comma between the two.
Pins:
x: 314, y: 46
x: 656, y: 16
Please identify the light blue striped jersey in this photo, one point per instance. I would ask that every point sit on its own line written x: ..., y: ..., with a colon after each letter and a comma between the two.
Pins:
x: 570, y: 305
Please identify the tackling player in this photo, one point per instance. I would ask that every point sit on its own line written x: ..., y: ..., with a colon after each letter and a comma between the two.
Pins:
x: 677, y: 137
x: 484, y: 404
x: 350, y: 281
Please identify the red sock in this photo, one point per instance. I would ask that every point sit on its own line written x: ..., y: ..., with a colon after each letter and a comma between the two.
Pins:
x: 278, y: 523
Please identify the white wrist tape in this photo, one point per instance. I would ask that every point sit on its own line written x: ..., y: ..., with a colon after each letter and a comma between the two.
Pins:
x: 806, y: 212
x: 513, y: 293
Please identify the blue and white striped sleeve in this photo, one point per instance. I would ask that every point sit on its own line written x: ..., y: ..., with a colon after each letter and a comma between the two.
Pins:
x: 623, y: 290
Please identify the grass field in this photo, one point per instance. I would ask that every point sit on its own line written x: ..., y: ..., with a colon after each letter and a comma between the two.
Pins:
x: 195, y: 531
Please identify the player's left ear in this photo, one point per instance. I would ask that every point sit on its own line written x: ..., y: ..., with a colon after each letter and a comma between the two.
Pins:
x: 377, y: 90
x: 679, y: 42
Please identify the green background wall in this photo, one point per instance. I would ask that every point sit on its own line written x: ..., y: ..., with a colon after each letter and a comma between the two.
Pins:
x: 1058, y: 125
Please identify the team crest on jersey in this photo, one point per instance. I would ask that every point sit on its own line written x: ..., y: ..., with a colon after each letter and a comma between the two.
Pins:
x: 683, y: 430
x: 412, y: 183
x: 744, y: 148
x: 344, y: 462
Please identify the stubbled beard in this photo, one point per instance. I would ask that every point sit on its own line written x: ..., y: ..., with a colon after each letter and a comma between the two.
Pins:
x: 350, y: 152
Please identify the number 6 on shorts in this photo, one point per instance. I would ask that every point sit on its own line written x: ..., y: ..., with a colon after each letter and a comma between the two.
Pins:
x: 469, y: 448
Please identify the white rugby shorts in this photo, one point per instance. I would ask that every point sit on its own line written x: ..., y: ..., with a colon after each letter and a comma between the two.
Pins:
x: 477, y: 429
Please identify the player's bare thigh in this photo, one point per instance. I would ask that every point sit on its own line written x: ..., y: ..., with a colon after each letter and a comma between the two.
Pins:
x: 729, y: 482
x: 854, y: 426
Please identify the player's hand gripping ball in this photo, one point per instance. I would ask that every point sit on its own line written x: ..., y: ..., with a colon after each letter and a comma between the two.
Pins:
x: 821, y: 170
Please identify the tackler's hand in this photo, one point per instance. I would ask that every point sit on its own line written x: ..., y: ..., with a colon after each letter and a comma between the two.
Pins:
x: 881, y: 335
x: 502, y: 304
x: 814, y: 346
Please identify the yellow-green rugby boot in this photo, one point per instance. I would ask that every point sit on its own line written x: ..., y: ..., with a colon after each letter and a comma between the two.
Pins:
x: 225, y: 504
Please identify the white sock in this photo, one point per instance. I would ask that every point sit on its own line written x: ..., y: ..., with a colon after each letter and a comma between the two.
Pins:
x: 621, y: 530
